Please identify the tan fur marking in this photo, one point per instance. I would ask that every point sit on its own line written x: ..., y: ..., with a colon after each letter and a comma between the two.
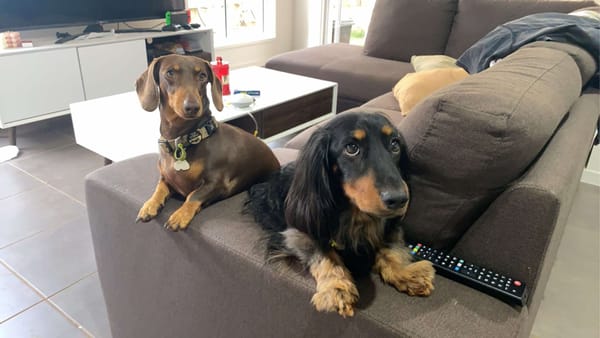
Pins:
x: 416, y: 279
x: 153, y: 205
x: 197, y: 68
x: 196, y: 169
x: 359, y: 134
x: 387, y: 130
x: 404, y: 209
x: 363, y: 193
x: 182, y: 217
x: 176, y: 67
x: 336, y: 291
x: 176, y: 101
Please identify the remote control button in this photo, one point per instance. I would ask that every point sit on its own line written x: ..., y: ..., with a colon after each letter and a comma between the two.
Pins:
x: 517, y: 283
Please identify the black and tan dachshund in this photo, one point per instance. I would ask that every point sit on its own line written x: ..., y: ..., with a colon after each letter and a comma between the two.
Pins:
x: 336, y: 210
x: 200, y: 159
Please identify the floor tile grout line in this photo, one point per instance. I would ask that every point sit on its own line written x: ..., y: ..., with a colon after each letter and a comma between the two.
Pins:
x: 26, y: 238
x: 73, y: 283
x: 22, y: 311
x: 23, y: 279
x: 47, y: 298
x: 58, y: 147
x: 69, y: 318
x: 48, y: 184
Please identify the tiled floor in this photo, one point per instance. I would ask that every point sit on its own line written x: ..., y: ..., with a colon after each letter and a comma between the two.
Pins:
x: 48, y: 281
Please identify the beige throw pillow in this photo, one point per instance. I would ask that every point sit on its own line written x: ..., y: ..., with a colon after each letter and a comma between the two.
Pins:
x: 426, y: 62
x: 414, y: 87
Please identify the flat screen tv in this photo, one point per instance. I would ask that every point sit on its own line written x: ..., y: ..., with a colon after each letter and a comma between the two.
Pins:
x: 31, y: 14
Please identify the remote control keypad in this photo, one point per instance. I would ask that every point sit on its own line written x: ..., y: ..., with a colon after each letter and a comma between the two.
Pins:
x: 469, y: 271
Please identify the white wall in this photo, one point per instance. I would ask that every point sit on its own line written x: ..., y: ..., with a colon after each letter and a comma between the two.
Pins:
x: 256, y: 54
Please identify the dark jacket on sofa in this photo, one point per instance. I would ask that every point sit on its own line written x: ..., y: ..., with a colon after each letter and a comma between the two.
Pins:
x: 507, y: 38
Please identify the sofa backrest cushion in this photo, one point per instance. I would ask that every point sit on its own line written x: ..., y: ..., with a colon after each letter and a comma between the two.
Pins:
x: 475, y: 18
x: 402, y: 28
x: 468, y: 141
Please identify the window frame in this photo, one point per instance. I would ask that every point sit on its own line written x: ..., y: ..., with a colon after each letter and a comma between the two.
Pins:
x: 229, y: 39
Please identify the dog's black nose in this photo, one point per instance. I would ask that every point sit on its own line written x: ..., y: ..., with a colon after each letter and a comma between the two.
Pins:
x: 191, y: 107
x: 394, y: 199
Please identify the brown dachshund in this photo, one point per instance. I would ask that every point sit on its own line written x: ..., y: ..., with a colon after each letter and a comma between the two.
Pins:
x: 200, y: 158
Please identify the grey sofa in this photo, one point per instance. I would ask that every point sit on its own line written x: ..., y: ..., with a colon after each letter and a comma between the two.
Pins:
x: 400, y: 29
x: 494, y: 164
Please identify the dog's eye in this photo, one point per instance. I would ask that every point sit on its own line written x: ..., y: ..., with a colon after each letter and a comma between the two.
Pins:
x: 352, y: 149
x: 170, y: 73
x: 202, y: 76
x: 395, y: 146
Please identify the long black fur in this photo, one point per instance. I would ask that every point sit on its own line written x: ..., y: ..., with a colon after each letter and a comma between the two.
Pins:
x: 308, y: 195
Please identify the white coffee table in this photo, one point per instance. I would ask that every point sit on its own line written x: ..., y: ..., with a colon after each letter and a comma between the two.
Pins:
x: 117, y: 128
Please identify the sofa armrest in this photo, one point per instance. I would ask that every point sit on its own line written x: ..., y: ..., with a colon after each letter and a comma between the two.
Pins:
x: 519, y: 233
x: 211, y: 280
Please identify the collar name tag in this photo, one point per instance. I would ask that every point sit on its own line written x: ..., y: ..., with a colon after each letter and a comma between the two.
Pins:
x: 180, y: 165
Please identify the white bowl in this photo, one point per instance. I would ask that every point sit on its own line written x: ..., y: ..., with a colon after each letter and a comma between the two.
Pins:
x: 241, y: 100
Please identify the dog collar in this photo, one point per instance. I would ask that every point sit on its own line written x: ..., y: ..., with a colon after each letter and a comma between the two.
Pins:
x: 204, y: 131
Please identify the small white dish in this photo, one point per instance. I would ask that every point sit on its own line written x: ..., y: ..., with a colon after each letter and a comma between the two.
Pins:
x: 241, y: 100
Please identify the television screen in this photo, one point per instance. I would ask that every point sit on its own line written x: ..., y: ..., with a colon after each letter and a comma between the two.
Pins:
x: 28, y: 14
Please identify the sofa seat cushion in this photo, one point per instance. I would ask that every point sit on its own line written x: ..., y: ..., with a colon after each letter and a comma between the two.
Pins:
x: 467, y: 142
x: 386, y: 104
x: 402, y: 28
x: 309, y: 61
x: 346, y: 65
x: 363, y: 77
x: 466, y: 30
x: 383, y: 105
x: 212, y: 279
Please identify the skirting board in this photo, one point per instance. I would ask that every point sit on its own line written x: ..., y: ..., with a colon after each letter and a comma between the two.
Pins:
x: 591, y: 177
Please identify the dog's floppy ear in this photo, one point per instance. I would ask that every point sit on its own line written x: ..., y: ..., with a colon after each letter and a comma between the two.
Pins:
x: 404, y: 163
x: 147, y: 87
x: 216, y: 88
x: 310, y: 205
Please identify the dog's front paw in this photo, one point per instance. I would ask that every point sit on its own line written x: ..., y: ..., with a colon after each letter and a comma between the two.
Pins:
x: 182, y: 217
x: 417, y: 279
x: 149, y: 210
x: 337, y: 296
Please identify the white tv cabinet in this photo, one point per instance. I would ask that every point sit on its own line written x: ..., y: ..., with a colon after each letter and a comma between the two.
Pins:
x: 40, y: 82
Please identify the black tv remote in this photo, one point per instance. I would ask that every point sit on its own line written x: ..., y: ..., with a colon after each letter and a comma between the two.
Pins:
x: 490, y: 282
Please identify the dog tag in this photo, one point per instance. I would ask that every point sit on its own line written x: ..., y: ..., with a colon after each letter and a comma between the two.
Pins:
x: 180, y: 158
x: 181, y: 165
